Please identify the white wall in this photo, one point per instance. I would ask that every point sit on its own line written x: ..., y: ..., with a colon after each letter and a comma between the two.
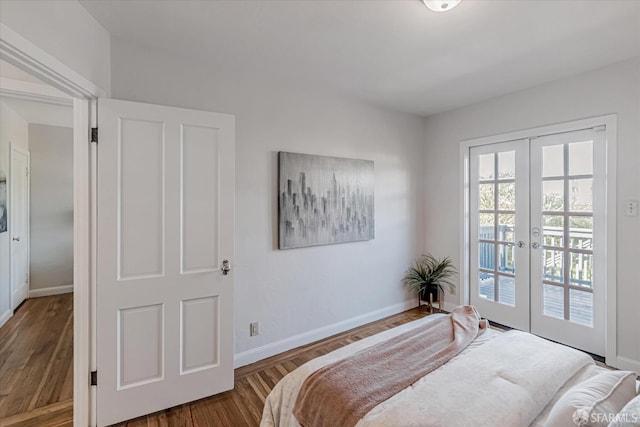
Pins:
x: 51, y: 149
x: 13, y: 130
x: 295, y: 291
x: 65, y: 30
x: 614, y: 89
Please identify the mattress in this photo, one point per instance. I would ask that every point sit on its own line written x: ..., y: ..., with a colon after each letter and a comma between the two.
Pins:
x: 532, y: 405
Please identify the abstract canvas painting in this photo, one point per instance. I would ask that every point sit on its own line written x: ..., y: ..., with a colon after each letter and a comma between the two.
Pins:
x: 324, y: 200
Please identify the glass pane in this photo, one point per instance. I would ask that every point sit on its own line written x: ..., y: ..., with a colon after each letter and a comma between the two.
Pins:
x: 507, y: 165
x: 581, y: 307
x: 581, y: 232
x: 553, y: 196
x: 506, y: 259
x: 552, y: 161
x: 581, y: 158
x: 581, y: 195
x: 581, y: 272
x: 487, y: 196
x: 506, y: 227
x: 553, y: 304
x: 486, y: 286
x: 552, y: 230
x: 486, y: 166
x: 507, y: 196
x: 507, y: 290
x: 486, y: 256
x: 486, y: 229
x: 552, y: 265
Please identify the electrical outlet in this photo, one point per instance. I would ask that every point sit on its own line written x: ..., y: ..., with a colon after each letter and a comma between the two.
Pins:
x: 254, y: 329
x: 631, y: 207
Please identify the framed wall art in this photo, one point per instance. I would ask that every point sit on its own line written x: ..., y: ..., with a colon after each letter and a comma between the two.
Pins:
x: 324, y: 200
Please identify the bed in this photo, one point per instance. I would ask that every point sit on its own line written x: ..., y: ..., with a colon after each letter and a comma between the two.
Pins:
x: 498, y: 379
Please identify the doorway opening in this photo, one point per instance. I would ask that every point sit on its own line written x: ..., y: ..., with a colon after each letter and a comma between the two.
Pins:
x: 37, y: 244
x: 30, y: 58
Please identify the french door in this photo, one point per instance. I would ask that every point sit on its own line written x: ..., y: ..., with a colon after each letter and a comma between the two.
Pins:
x: 499, y: 230
x: 537, y: 224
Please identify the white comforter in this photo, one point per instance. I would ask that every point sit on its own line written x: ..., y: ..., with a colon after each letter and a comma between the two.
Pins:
x: 499, y: 380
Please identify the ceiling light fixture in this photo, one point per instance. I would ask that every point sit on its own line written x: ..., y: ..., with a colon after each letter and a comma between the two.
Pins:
x: 441, y: 5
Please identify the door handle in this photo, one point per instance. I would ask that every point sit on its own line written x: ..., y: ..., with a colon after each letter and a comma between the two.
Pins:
x: 520, y: 244
x: 17, y: 239
x: 226, y: 267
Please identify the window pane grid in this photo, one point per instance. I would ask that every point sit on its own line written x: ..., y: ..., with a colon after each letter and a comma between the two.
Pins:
x: 496, y: 238
x: 567, y: 237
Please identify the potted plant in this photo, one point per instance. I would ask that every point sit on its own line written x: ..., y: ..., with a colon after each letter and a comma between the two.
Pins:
x: 428, y: 276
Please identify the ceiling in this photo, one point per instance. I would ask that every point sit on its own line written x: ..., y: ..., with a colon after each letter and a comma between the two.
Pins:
x: 395, y: 53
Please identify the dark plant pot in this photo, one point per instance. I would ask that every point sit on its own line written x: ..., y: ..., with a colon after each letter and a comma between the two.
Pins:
x: 424, y: 294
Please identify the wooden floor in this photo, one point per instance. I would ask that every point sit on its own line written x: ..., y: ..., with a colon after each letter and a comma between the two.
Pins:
x: 36, y: 363
x: 27, y: 387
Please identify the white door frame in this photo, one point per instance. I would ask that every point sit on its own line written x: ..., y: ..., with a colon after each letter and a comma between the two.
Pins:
x: 10, y: 193
x: 610, y: 122
x: 22, y: 53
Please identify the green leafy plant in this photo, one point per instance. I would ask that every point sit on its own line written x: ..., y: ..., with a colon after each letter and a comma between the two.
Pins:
x: 428, y: 274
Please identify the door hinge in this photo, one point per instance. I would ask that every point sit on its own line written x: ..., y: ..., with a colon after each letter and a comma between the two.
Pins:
x: 94, y: 135
x: 27, y: 171
x: 94, y: 378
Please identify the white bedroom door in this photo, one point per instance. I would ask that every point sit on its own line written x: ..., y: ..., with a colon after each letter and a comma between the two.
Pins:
x: 19, y: 225
x: 165, y: 241
x: 568, y: 178
x: 499, y: 230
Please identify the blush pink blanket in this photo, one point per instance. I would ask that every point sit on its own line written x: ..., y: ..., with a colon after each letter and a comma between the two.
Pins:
x: 341, y: 393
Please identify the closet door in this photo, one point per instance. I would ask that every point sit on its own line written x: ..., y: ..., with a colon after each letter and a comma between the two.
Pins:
x: 499, y: 227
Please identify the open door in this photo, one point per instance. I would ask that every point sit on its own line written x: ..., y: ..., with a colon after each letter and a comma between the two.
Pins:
x: 165, y: 240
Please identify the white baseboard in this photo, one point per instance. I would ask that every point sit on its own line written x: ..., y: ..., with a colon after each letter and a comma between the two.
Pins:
x: 627, y: 364
x: 5, y: 316
x: 271, y: 349
x: 54, y: 290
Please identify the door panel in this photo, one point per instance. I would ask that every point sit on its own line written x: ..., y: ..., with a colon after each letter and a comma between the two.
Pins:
x: 19, y: 225
x: 499, y: 208
x: 567, y: 220
x: 165, y: 224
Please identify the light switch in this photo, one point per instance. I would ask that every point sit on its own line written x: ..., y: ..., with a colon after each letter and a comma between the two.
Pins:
x: 631, y: 207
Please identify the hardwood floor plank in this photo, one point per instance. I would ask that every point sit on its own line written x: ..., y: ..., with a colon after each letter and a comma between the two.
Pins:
x: 57, y: 414
x: 180, y: 416
x: 36, y: 355
x: 48, y: 390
